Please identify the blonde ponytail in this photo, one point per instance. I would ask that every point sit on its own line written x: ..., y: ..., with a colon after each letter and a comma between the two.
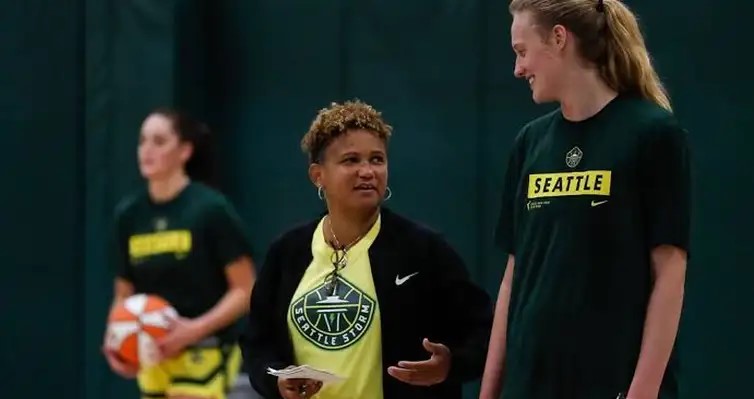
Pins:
x: 628, y: 66
x: 609, y: 36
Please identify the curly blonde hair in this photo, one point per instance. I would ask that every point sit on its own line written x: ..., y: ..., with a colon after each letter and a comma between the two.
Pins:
x: 338, y: 119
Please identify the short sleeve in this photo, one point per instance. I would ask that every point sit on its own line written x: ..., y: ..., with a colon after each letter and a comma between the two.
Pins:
x: 505, y: 229
x: 119, y: 246
x: 227, y: 235
x: 665, y: 178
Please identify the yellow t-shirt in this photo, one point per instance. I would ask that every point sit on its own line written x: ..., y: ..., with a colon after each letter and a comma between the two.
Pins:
x: 339, y: 332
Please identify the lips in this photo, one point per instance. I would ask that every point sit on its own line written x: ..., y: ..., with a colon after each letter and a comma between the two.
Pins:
x: 365, y: 187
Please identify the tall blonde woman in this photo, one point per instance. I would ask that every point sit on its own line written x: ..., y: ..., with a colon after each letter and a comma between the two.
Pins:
x: 595, y: 214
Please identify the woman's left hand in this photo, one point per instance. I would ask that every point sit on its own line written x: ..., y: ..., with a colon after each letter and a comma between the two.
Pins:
x: 426, y: 372
x: 183, y: 333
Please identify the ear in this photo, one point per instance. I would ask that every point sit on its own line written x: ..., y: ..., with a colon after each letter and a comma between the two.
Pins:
x: 187, y: 149
x: 559, y: 36
x: 315, y: 174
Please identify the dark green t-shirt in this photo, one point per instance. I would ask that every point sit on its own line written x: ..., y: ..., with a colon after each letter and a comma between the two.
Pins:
x: 583, y: 205
x: 179, y: 249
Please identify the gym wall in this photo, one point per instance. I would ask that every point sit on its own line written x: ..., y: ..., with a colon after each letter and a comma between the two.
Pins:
x: 79, y: 77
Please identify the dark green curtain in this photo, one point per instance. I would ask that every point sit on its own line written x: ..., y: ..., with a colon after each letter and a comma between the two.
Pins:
x: 78, y: 77
x: 41, y: 258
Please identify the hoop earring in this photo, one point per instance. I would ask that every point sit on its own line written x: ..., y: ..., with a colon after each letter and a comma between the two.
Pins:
x: 389, y: 193
x: 320, y: 192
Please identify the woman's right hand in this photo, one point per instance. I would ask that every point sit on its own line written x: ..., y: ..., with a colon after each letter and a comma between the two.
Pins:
x: 118, y: 366
x: 298, y: 388
x: 123, y: 289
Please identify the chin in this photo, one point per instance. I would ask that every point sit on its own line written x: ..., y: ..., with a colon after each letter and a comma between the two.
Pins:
x: 148, y: 174
x: 370, y: 202
x: 539, y: 98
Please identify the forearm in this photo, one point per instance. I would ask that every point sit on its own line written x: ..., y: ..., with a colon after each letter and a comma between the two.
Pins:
x: 122, y: 289
x: 495, y: 365
x: 231, y: 306
x: 660, y: 330
x: 493, y: 368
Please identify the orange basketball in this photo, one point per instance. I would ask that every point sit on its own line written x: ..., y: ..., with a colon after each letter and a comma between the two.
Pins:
x: 135, y: 325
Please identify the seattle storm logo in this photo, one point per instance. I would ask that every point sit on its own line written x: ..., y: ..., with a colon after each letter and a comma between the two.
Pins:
x: 573, y: 157
x: 333, y: 321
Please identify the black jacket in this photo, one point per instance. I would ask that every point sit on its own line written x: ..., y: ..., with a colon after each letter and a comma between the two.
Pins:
x: 439, y: 303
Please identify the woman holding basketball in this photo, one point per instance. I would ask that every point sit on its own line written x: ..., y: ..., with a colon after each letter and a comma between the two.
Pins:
x: 362, y: 291
x: 595, y: 214
x: 181, y: 240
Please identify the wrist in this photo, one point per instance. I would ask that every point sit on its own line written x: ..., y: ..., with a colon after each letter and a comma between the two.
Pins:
x: 200, y: 328
x: 644, y: 386
x: 641, y: 393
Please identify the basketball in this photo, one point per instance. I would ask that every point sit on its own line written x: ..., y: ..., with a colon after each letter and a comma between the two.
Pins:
x: 135, y: 325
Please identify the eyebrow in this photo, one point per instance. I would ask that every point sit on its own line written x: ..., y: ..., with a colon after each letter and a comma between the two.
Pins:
x: 356, y: 153
x: 349, y: 154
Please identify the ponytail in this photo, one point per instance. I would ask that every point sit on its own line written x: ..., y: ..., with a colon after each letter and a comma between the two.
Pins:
x: 200, y: 166
x: 609, y: 37
x: 628, y: 66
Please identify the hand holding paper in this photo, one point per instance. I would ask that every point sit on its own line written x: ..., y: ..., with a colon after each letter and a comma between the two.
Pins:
x: 301, y: 382
x: 298, y: 388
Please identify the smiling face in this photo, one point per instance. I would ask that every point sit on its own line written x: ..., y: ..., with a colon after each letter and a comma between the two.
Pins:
x: 353, y: 171
x: 539, y: 59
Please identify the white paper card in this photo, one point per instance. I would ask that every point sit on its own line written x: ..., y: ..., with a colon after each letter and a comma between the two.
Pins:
x: 305, y: 372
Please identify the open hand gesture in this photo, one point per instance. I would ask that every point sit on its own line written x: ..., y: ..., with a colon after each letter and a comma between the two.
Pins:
x: 426, y: 372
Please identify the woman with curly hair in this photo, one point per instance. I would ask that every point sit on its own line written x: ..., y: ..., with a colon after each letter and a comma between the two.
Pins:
x: 362, y: 291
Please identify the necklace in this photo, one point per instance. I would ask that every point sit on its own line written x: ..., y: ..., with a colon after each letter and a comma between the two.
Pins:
x: 339, y: 258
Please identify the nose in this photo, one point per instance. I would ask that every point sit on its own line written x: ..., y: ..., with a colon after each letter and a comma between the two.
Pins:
x: 145, y: 149
x: 518, y: 70
x: 366, y: 170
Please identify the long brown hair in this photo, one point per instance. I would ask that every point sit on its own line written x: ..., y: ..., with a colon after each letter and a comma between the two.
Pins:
x: 609, y: 36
